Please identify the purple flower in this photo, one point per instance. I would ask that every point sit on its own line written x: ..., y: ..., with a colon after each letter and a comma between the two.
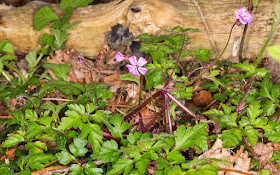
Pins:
x: 242, y: 16
x: 137, y: 66
x: 119, y: 57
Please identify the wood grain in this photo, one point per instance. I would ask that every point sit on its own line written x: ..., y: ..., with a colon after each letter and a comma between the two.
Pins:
x: 154, y: 17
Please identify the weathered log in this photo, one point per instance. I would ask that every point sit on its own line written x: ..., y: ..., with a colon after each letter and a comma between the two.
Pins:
x: 154, y: 16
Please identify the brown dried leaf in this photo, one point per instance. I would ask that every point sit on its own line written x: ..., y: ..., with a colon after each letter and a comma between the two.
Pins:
x: 202, y: 98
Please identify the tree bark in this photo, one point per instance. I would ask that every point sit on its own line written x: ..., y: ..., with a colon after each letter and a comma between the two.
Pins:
x: 155, y: 16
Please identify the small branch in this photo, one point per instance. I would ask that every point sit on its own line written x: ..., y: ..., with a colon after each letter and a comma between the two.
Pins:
x: 247, y: 91
x: 142, y: 105
x: 206, y: 26
x: 210, y: 65
x: 179, y: 104
x: 177, y: 62
x: 253, y: 152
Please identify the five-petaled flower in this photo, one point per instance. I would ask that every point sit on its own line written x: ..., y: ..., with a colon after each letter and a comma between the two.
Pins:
x: 120, y: 57
x: 137, y: 65
x: 242, y: 16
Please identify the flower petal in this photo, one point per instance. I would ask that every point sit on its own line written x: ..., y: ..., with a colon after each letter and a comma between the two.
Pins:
x: 133, y: 60
x: 119, y: 57
x: 133, y: 70
x: 142, y: 70
x: 142, y: 61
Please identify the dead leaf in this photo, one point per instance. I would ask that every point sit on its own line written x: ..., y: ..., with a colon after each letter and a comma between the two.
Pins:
x: 202, y: 98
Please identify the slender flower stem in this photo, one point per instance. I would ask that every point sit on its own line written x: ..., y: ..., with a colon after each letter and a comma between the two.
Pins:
x: 168, y: 115
x: 17, y: 71
x: 179, y: 104
x: 210, y: 65
x: 33, y: 105
x: 142, y: 105
x: 262, y: 164
x: 192, y: 65
x: 247, y: 91
x: 152, y: 100
x: 177, y: 62
x: 93, y: 84
x: 164, y: 106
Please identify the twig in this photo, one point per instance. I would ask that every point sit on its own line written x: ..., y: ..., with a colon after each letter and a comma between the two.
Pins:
x: 253, y: 152
x: 213, y: 63
x: 206, y: 26
x: 57, y: 99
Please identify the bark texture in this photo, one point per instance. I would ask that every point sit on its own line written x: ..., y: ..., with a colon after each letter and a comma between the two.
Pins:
x: 154, y: 17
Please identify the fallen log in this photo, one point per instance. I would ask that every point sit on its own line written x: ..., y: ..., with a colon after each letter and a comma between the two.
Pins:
x: 146, y: 16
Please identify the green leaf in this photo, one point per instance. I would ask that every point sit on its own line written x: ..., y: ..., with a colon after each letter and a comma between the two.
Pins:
x: 14, y: 139
x: 130, y: 77
x: 119, y: 127
x: 107, y: 151
x: 251, y: 135
x: 5, y: 46
x: 188, y: 138
x: 77, y: 147
x: 268, y: 107
x: 8, y: 57
x: 60, y: 141
x: 94, y: 134
x: 175, y: 157
x: 272, y: 131
x: 92, y: 169
x: 30, y: 115
x: 142, y: 165
x: 132, y: 138
x: 64, y: 157
x: 182, y: 93
x: 67, y: 27
x: 36, y: 147
x: 60, y: 38
x: 269, y: 91
x: 162, y: 163
x: 31, y: 59
x: 73, y: 120
x: 64, y: 4
x: 151, y: 154
x: 34, y: 130
x: 274, y: 52
x: 60, y: 70
x: 47, y: 39
x: 37, y: 161
x: 231, y: 137
x: 254, y: 111
x: 213, y: 113
x: 76, y: 169
x: 122, y: 166
x: 204, y: 170
x: 42, y: 17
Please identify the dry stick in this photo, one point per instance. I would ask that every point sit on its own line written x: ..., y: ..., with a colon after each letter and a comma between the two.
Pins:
x: 123, y: 106
x: 250, y: 8
x: 56, y: 99
x: 235, y: 171
x: 153, y: 103
x: 206, y: 26
x: 236, y: 156
x: 190, y: 82
x: 253, y: 152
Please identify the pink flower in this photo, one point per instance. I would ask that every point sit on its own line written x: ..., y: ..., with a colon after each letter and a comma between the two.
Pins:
x: 242, y: 16
x: 119, y: 57
x: 79, y: 59
x: 13, y: 101
x: 137, y: 66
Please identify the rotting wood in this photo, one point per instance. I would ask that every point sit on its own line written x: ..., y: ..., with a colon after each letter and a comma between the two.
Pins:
x: 154, y: 17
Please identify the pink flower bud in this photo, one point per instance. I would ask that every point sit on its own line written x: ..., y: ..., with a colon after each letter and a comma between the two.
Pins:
x: 12, y: 102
